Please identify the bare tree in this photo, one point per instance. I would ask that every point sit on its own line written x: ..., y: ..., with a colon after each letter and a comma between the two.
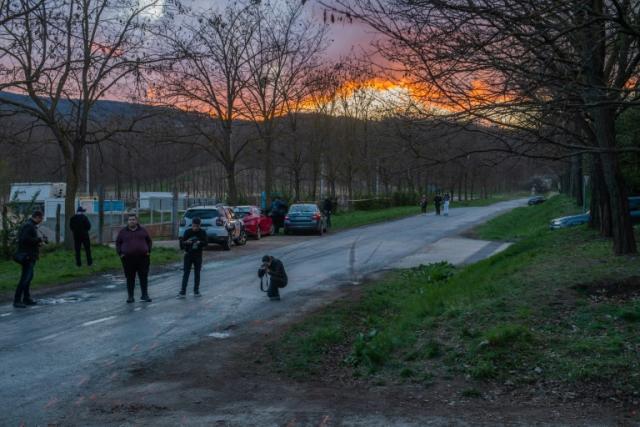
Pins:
x: 65, y: 56
x: 284, y: 47
x: 208, y: 76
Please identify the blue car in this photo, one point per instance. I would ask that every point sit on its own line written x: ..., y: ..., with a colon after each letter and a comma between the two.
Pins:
x: 305, y: 217
x: 571, y: 220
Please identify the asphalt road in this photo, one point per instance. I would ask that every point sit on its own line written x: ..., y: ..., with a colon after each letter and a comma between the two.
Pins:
x: 58, y: 354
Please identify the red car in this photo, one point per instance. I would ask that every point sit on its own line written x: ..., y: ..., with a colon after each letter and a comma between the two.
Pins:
x: 255, y: 222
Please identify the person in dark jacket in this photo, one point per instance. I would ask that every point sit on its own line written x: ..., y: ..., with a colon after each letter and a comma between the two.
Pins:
x: 279, y: 210
x: 133, y: 246
x: 80, y: 226
x: 423, y: 204
x: 437, y: 201
x: 192, y: 243
x: 327, y: 208
x: 27, y: 254
x: 277, y: 276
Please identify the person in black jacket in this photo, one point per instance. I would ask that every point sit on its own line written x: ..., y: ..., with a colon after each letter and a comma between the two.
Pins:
x: 437, y: 201
x: 327, y: 208
x: 192, y: 243
x: 277, y: 276
x: 80, y: 226
x: 26, y: 255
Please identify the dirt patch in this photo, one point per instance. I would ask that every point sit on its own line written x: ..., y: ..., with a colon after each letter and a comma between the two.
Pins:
x: 620, y: 290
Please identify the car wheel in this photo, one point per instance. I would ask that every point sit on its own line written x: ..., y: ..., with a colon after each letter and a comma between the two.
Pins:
x: 242, y: 239
x: 258, y: 233
x: 227, y: 244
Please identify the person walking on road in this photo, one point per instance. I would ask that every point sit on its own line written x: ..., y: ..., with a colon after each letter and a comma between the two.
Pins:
x: 26, y: 255
x: 423, y: 204
x: 278, y: 211
x: 327, y: 207
x: 277, y: 276
x: 133, y: 246
x: 80, y: 227
x: 437, y: 201
x: 447, y: 199
x: 192, y: 243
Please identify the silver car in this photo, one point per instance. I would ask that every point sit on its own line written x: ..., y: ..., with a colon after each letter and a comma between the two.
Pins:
x: 219, y: 222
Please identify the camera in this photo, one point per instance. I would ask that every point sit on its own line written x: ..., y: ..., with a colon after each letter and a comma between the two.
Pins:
x: 44, y: 240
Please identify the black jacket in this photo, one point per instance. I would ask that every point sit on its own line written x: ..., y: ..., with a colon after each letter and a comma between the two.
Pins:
x: 28, y: 240
x: 276, y: 271
x: 199, y: 241
x: 80, y: 225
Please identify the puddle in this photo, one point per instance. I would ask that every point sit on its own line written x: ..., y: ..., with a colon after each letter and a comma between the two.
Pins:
x: 219, y: 335
x: 65, y: 299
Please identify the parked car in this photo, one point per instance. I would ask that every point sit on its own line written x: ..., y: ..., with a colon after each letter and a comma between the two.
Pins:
x: 305, y: 217
x: 256, y: 223
x: 571, y: 220
x: 536, y: 200
x: 219, y: 222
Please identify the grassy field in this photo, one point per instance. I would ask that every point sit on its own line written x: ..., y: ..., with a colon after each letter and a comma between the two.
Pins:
x: 357, y: 218
x: 57, y: 266
x: 555, y: 308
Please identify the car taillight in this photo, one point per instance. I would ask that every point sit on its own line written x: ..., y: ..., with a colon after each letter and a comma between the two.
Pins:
x: 317, y: 216
x: 183, y: 222
x: 286, y: 217
x: 219, y: 222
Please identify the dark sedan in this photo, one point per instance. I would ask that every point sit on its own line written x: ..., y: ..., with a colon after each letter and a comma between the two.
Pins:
x: 305, y: 217
x: 536, y: 200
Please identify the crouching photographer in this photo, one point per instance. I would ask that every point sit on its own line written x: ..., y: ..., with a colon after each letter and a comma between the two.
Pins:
x: 192, y: 243
x: 276, y: 277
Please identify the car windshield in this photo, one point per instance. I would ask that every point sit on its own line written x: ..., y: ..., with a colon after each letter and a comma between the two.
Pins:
x: 242, y: 212
x: 303, y: 209
x: 201, y: 213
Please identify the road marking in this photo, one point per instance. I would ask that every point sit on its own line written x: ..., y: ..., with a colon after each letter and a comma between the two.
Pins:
x: 48, y: 337
x: 220, y: 335
x: 5, y: 314
x: 93, y: 322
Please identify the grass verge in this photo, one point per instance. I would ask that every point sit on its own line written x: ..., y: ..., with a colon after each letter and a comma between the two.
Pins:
x: 555, y: 308
x: 57, y: 265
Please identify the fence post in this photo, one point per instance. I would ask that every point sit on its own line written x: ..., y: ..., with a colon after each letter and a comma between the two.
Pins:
x: 58, y: 223
x: 174, y: 215
x: 5, y: 232
x: 101, y: 214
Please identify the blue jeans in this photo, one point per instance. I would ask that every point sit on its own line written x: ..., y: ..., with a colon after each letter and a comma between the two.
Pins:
x: 22, y: 291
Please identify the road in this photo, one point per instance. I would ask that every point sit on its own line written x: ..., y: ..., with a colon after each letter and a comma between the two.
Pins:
x: 58, y: 354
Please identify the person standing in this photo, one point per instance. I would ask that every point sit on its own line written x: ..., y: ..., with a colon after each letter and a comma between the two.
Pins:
x: 327, y: 207
x: 192, y: 243
x: 423, y: 204
x: 277, y: 276
x: 133, y: 246
x: 447, y: 199
x: 80, y: 226
x: 437, y: 201
x: 27, y: 254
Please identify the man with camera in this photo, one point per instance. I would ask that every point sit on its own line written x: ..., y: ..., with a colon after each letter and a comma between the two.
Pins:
x: 27, y: 254
x: 192, y: 243
x: 277, y: 276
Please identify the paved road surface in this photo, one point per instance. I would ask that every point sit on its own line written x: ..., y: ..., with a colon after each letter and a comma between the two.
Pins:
x: 56, y: 354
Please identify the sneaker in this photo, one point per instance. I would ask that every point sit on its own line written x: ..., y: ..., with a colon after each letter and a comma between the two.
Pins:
x: 181, y: 295
x: 30, y: 302
x: 130, y: 300
x: 19, y: 305
x: 145, y: 298
x: 197, y: 294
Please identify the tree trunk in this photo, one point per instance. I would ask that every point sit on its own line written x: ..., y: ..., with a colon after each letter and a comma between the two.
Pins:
x: 268, y: 167
x: 74, y: 166
x: 230, y: 169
